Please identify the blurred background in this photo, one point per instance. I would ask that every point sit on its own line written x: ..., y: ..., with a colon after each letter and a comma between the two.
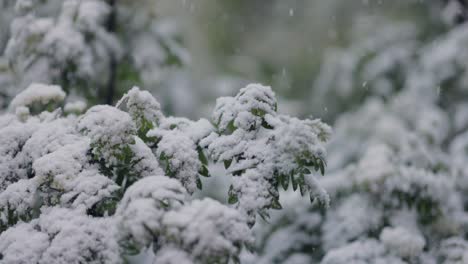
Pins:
x: 294, y: 46
x: 207, y: 48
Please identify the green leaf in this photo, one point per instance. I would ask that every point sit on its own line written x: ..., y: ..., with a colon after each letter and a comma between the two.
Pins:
x: 264, y: 215
x: 322, y: 167
x: 258, y: 112
x: 266, y: 125
x: 236, y: 260
x: 227, y: 163
x: 232, y: 196
x: 164, y: 204
x: 316, y: 166
x: 238, y: 172
x: 294, y: 182
x: 202, y: 157
x: 231, y: 127
x: 284, y: 180
x: 306, y: 171
x: 233, y: 199
x: 301, y: 183
x: 275, y: 204
x: 204, y: 171
x: 250, y: 247
x: 312, y: 198
x: 199, y: 184
x: 129, y: 248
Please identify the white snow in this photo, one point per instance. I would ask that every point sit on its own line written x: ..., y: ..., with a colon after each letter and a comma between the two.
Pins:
x: 38, y: 93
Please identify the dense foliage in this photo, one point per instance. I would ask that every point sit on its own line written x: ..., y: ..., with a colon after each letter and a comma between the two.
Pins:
x: 94, y: 172
x: 113, y: 182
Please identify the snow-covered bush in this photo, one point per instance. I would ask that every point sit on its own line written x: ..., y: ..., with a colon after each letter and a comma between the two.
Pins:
x: 114, y: 182
x: 93, y: 49
x: 397, y: 162
x: 263, y: 150
x: 71, y: 47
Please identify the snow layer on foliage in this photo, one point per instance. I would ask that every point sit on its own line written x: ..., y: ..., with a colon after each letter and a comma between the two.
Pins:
x: 454, y: 250
x: 23, y: 244
x: 317, y: 191
x: 87, y: 189
x: 7, y: 119
x: 254, y: 191
x: 66, y: 171
x: 40, y: 153
x: 141, y: 106
x: 239, y: 109
x: 259, y: 147
x: 171, y: 255
x: 144, y: 204
x: 207, y: 229
x: 402, y: 241
x: 292, y: 136
x: 56, y: 157
x: 76, y: 107
x: 60, y: 180
x: 12, y: 139
x: 361, y: 252
x: 146, y: 164
x: 201, y: 230
x: 38, y: 93
x: 19, y: 197
x: 196, y: 130
x: 13, y: 136
x: 109, y: 130
x: 49, y: 137
x: 179, y: 153
x: 64, y: 163
x: 60, y: 236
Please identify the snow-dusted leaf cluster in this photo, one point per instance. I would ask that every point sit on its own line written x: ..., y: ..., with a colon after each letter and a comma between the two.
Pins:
x: 114, y: 182
x: 263, y: 150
